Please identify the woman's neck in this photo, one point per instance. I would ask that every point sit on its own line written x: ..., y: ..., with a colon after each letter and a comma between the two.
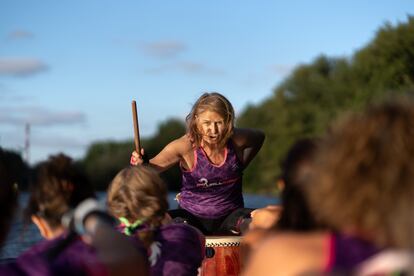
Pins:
x: 212, y: 149
x: 215, y: 153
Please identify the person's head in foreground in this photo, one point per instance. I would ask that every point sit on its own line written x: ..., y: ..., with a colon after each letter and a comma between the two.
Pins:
x: 137, y: 196
x: 211, y: 120
x: 364, y: 183
x: 297, y: 168
x: 294, y: 212
x: 362, y: 188
x: 57, y: 186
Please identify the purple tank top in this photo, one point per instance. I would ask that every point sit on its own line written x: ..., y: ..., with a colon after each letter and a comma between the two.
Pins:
x: 177, y: 249
x: 212, y: 191
x: 33, y: 266
x: 77, y: 258
x: 346, y: 252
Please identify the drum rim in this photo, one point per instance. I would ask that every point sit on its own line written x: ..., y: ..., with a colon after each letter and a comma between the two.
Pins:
x: 223, y: 241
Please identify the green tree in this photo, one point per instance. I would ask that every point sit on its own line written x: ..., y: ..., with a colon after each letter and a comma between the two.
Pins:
x: 17, y: 168
x: 313, y: 95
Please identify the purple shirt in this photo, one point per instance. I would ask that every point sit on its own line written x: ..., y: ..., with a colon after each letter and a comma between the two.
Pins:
x: 77, y: 258
x: 33, y: 266
x: 346, y: 252
x: 212, y: 191
x: 177, y: 249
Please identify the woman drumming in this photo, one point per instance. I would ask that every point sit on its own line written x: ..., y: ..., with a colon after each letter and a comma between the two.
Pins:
x: 212, y: 156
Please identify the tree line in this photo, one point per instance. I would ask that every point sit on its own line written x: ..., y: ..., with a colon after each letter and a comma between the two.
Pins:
x: 313, y: 95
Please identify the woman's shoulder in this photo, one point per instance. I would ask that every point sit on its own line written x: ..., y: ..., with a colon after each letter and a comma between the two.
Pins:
x: 178, y: 230
x: 243, y: 136
x: 182, y: 250
x: 289, y: 254
x: 28, y: 265
x: 182, y: 144
x: 184, y: 234
x: 188, y: 238
x: 65, y: 250
x: 38, y: 248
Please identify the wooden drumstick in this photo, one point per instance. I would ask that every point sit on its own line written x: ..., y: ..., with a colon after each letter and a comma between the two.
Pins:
x: 136, y: 128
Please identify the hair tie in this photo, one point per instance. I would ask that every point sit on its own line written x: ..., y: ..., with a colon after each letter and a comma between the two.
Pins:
x: 129, y: 228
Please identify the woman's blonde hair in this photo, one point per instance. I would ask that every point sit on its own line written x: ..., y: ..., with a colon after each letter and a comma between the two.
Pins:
x: 210, y: 102
x: 365, y: 174
x: 138, y: 193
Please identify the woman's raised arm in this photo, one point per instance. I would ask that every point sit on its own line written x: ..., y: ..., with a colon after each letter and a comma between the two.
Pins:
x: 248, y: 142
x: 170, y: 155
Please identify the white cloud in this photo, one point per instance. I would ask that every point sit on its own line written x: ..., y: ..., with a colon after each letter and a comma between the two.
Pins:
x: 186, y: 67
x: 21, y: 66
x: 163, y: 49
x: 58, y: 141
x: 20, y: 34
x: 39, y: 116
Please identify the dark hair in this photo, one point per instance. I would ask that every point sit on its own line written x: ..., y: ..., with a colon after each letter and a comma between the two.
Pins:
x: 364, y: 176
x: 296, y: 170
x: 8, y: 195
x: 210, y: 102
x: 57, y: 185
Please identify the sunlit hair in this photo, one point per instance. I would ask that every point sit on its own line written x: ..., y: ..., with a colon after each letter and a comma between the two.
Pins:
x: 138, y: 193
x: 57, y: 185
x: 365, y: 175
x: 210, y: 102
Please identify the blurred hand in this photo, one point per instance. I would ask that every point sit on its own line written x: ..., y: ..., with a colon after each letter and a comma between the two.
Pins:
x: 265, y: 218
x: 167, y: 219
x: 136, y: 159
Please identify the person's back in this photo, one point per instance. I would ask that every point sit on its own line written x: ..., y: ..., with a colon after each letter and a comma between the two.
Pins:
x: 294, y: 213
x: 8, y: 205
x: 57, y: 186
x: 363, y: 187
x: 137, y: 196
x: 176, y: 249
x: 295, y: 253
x: 65, y: 255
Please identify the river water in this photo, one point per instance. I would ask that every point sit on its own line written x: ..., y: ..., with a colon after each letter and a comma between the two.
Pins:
x: 23, y: 236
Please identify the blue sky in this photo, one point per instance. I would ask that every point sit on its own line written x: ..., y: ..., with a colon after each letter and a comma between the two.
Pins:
x: 72, y: 68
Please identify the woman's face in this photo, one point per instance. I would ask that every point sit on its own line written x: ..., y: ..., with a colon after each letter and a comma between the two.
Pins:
x: 211, y: 126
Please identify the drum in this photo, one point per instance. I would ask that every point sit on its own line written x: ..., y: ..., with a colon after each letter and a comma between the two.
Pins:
x: 222, y: 256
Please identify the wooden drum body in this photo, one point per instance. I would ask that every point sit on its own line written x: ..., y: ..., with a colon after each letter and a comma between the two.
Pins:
x: 222, y: 256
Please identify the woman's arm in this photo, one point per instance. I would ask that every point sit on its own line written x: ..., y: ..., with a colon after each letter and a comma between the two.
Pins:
x: 248, y: 143
x: 170, y: 155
